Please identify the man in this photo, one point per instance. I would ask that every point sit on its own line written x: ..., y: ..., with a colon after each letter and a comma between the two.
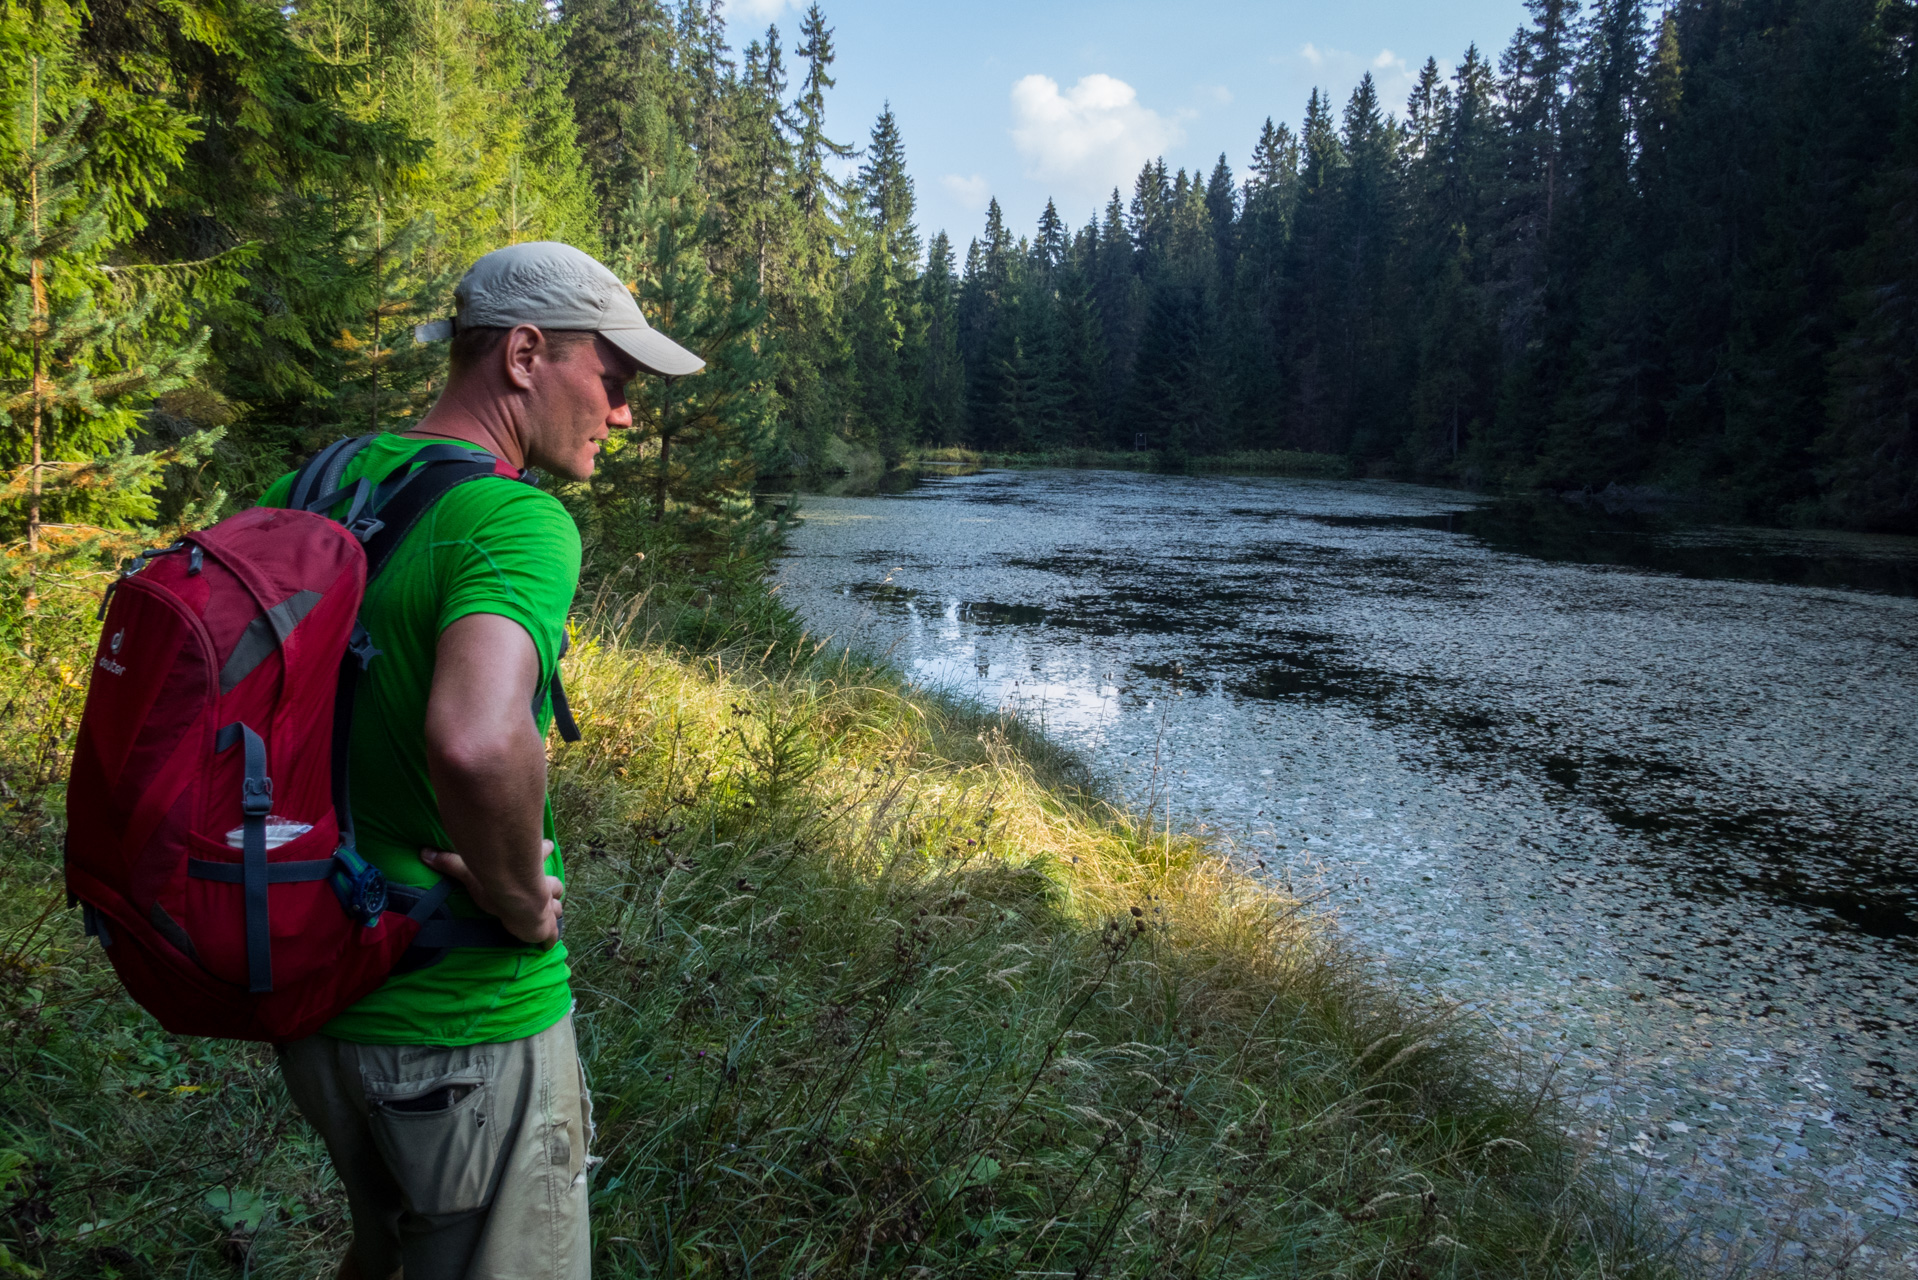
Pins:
x: 451, y: 1098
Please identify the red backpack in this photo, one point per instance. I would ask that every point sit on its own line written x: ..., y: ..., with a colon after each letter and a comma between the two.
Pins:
x: 209, y: 832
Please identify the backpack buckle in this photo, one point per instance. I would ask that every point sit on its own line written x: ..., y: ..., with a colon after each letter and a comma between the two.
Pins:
x: 365, y: 529
x: 256, y: 797
x: 361, y: 647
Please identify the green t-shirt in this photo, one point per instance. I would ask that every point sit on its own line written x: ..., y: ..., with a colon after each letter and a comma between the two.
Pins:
x: 488, y: 546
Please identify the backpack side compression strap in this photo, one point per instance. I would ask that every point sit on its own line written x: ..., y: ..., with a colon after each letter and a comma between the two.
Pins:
x: 256, y: 801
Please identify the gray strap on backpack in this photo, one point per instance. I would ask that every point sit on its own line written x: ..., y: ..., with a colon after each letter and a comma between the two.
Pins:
x: 321, y: 476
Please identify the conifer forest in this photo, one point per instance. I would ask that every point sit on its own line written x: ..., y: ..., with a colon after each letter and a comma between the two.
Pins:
x: 1669, y: 248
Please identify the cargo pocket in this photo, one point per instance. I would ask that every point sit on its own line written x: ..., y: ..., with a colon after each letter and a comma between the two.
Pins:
x: 439, y: 1134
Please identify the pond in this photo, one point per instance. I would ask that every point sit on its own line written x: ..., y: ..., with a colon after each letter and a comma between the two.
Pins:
x: 1643, y: 795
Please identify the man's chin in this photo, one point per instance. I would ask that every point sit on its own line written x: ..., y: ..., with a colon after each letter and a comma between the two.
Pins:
x: 572, y: 471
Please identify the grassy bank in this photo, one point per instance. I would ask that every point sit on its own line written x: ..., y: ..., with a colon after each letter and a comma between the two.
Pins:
x: 1269, y: 462
x: 869, y: 985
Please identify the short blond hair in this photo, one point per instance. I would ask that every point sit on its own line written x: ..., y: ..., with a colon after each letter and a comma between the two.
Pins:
x: 472, y: 346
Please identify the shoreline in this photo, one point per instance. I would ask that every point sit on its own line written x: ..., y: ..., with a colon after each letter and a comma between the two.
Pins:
x: 1728, y: 1113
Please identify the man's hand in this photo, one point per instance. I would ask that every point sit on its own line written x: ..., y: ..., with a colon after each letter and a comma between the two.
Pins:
x: 488, y: 765
x: 542, y: 930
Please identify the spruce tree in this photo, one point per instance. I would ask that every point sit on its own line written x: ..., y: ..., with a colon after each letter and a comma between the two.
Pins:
x: 707, y: 87
x: 1607, y: 412
x: 817, y: 376
x: 1222, y: 205
x: 972, y: 311
x: 1113, y: 270
x: 1425, y: 111
x: 1536, y: 72
x: 86, y: 344
x: 1173, y: 401
x: 1538, y: 69
x: 698, y: 441
x: 1049, y: 245
x: 616, y: 52
x: 1868, y: 453
x: 1151, y: 195
x: 1368, y: 364
x: 1453, y: 346
x: 1312, y: 306
x: 1040, y: 342
x: 219, y: 140
x: 1790, y: 308
x: 1080, y: 353
x: 885, y: 319
x: 989, y: 337
x: 762, y: 217
x: 942, y: 383
x: 815, y: 190
x: 1257, y: 284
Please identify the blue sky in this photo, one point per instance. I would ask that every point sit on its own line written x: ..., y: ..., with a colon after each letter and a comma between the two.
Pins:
x: 1025, y: 99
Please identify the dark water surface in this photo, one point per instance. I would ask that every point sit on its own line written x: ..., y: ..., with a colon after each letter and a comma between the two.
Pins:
x: 1644, y: 795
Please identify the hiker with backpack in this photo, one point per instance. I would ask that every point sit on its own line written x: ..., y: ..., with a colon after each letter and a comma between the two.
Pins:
x: 309, y: 801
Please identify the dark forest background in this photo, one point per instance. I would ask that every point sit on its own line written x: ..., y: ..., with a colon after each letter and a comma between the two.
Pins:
x: 1674, y: 249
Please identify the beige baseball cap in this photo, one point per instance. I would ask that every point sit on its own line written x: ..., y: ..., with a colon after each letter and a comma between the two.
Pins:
x: 556, y: 286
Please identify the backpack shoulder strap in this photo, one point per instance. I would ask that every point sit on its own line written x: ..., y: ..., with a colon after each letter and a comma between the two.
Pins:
x: 441, y: 469
x: 437, y: 470
x: 391, y: 510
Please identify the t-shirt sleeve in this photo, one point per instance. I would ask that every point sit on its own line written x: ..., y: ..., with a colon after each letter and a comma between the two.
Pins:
x: 517, y: 557
x: 279, y: 491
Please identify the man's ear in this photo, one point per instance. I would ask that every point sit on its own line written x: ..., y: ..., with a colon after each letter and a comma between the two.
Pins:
x: 523, y: 347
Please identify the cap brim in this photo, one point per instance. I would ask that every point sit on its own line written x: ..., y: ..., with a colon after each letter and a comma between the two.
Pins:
x: 655, y: 352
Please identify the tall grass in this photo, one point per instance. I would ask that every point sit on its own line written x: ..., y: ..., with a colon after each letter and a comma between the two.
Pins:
x: 870, y: 984
x: 879, y: 987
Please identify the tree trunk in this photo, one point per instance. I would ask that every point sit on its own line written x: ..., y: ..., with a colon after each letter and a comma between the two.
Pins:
x: 665, y: 450
x: 33, y: 481
x: 36, y: 272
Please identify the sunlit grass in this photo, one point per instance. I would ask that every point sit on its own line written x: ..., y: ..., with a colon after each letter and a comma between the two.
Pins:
x: 879, y: 988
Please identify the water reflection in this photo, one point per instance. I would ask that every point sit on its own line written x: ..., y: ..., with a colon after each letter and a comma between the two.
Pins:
x: 1645, y: 792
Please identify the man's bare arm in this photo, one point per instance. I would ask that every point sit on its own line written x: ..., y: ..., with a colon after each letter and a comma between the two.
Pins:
x: 488, y: 765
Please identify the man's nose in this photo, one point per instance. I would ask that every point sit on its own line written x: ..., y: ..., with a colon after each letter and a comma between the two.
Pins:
x: 621, y: 417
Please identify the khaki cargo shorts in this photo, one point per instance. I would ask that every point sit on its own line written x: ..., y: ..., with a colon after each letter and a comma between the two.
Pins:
x: 463, y: 1163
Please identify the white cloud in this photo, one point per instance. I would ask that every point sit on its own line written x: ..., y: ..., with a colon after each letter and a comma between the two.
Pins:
x: 972, y: 193
x: 1217, y: 93
x: 1341, y: 65
x: 758, y: 10
x: 1092, y: 136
